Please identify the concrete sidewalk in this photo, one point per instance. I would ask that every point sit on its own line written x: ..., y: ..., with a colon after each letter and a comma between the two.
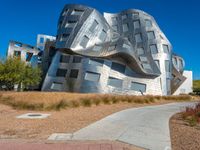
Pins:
x: 146, y: 127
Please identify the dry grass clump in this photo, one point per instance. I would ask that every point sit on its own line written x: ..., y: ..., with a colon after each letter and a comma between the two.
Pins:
x: 58, y: 101
x: 192, y: 115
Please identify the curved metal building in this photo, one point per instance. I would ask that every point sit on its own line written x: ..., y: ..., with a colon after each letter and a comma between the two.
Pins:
x: 123, y: 53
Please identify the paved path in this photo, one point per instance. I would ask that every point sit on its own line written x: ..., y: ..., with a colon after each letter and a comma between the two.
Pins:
x: 146, y: 127
x: 64, y: 146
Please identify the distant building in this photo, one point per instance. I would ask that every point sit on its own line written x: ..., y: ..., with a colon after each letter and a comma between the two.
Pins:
x: 42, y: 39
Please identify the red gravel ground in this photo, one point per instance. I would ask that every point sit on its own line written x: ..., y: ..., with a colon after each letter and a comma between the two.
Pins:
x: 183, y: 136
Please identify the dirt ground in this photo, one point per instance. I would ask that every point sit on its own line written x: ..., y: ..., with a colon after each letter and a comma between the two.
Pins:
x: 184, y: 137
x: 64, y: 121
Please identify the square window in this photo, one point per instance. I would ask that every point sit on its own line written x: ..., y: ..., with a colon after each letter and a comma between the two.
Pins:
x: 64, y: 59
x: 115, y: 82
x: 138, y: 38
x: 136, y: 24
x: 73, y: 73
x: 84, y: 41
x: 153, y: 49
x: 140, y: 87
x: 150, y: 35
x: 61, y: 72
x: 77, y: 12
x: 92, y: 76
x: 93, y: 26
x: 148, y: 23
x: 166, y: 49
x: 125, y: 27
x: 77, y: 59
x: 140, y: 51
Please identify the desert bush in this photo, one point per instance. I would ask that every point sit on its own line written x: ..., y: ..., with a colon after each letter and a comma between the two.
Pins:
x: 96, y: 101
x: 74, y: 104
x: 62, y: 104
x: 86, y: 102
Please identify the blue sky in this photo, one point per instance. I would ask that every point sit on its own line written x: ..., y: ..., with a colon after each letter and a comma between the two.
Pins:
x: 22, y: 20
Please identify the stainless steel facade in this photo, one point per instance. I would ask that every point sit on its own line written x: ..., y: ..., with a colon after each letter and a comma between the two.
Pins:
x: 123, y: 53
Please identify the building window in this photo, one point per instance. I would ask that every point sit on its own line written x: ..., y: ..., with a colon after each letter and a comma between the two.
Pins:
x: 64, y: 37
x: 115, y: 28
x: 150, y: 35
x: 157, y: 63
x: 84, y: 41
x: 166, y: 49
x: 70, y: 24
x: 64, y: 59
x: 114, y: 20
x: 124, y: 16
x: 77, y: 12
x: 140, y: 51
x: 167, y: 65
x: 115, y: 82
x: 140, y: 87
x: 18, y: 44
x: 125, y: 27
x: 93, y: 26
x: 77, y: 59
x: 65, y: 12
x: 138, y: 38
x: 102, y: 35
x: 174, y: 61
x: 136, y: 24
x: 143, y: 59
x: 41, y: 40
x: 61, y: 72
x: 118, y: 67
x: 17, y: 53
x: 92, y: 76
x: 97, y: 47
x: 153, y: 49
x: 28, y: 56
x: 73, y: 73
x: 148, y: 23
x: 96, y: 62
x: 56, y: 86
x: 112, y: 47
x: 177, y: 81
x: 180, y: 64
x: 146, y: 66
x: 126, y: 46
x: 135, y: 14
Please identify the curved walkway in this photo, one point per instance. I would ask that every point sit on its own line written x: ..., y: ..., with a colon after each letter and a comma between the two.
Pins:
x: 146, y: 127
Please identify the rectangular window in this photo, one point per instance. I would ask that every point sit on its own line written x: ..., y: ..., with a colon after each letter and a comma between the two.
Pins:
x: 56, y: 86
x: 140, y: 87
x: 114, y: 20
x: 64, y: 59
x: 143, y: 59
x: 77, y: 59
x: 150, y: 35
x: 65, y: 12
x: 28, y: 56
x: 112, y: 48
x: 136, y: 24
x: 70, y: 24
x: 153, y: 49
x: 73, y: 73
x: 125, y: 27
x: 157, y: 63
x: 41, y: 40
x: 92, y: 76
x: 17, y: 53
x: 126, y: 46
x: 102, y: 35
x: 124, y: 16
x: 138, y: 38
x: 84, y: 41
x: 77, y: 12
x: 18, y: 45
x: 167, y: 65
x: 93, y: 26
x: 174, y: 60
x: 64, y: 37
x: 96, y: 62
x: 118, y: 67
x: 61, y: 72
x: 165, y: 49
x: 148, y: 23
x: 146, y: 66
x: 97, y: 47
x: 115, y: 82
x: 140, y: 51
x: 115, y: 28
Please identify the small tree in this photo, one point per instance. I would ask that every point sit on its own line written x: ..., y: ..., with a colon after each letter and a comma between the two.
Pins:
x: 15, y: 72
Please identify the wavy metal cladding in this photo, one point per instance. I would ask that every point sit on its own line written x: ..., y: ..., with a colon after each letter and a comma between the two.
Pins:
x: 101, y: 40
